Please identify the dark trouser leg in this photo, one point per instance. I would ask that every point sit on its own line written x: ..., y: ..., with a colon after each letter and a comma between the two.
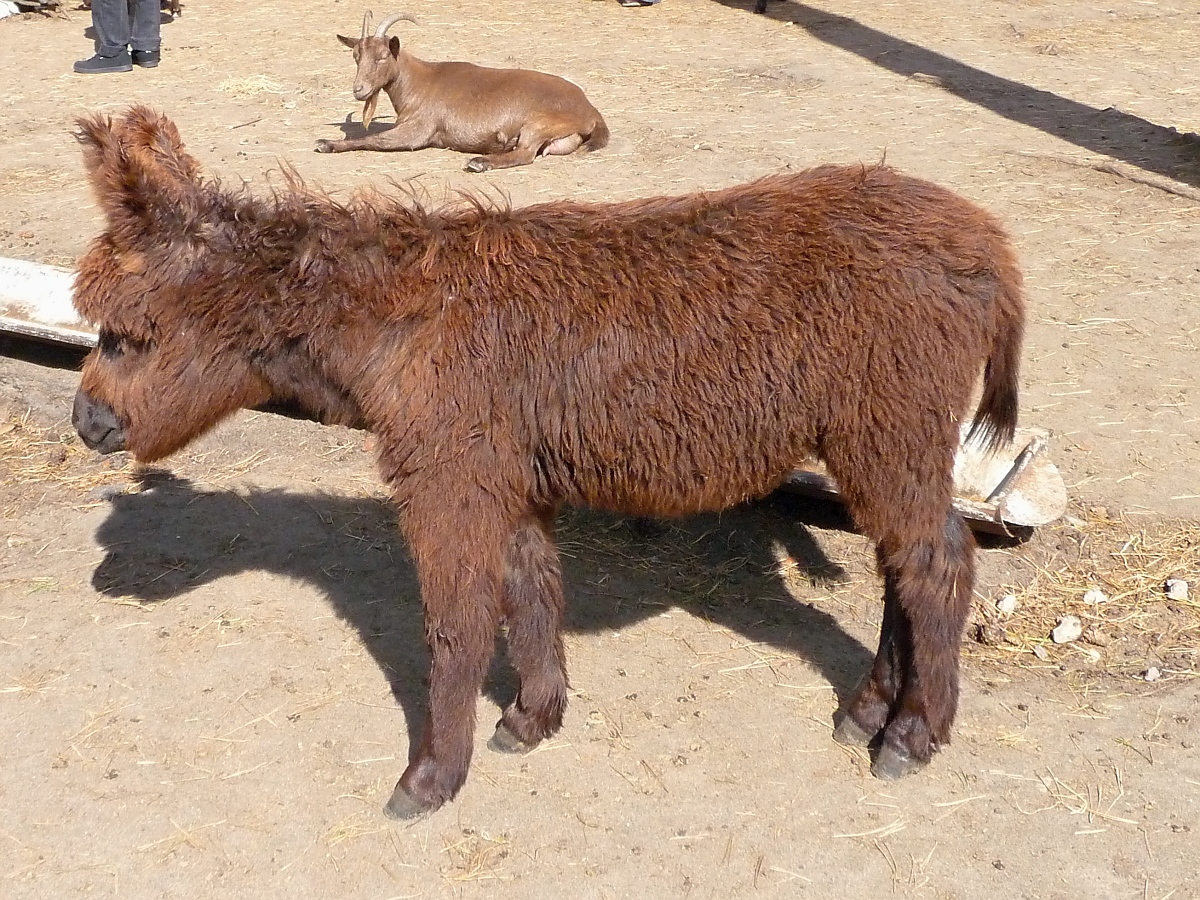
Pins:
x: 145, y: 21
x: 110, y: 21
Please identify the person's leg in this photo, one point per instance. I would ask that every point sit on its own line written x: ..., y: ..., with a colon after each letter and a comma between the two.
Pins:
x: 110, y: 22
x: 145, y: 31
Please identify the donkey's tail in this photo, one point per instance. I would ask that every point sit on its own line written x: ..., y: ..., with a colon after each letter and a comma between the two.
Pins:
x: 996, y: 418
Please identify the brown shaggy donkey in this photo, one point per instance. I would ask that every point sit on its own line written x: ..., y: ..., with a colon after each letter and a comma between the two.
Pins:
x: 655, y: 357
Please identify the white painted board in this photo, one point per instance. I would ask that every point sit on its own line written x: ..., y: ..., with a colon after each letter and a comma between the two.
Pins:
x: 35, y: 301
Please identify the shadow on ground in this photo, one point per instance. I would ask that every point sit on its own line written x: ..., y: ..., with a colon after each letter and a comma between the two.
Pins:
x: 171, y: 537
x: 1131, y: 139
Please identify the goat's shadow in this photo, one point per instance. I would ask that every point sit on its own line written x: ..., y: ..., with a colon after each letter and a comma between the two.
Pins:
x: 1132, y: 139
x: 172, y: 537
x: 352, y: 129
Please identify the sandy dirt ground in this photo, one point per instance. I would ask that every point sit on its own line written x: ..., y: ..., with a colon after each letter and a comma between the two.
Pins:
x: 210, y: 671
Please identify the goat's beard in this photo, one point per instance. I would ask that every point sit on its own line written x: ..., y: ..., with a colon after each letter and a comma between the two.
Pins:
x: 369, y: 110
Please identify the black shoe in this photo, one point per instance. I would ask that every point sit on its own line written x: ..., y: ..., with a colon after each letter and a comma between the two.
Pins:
x: 99, y: 64
x: 147, y: 59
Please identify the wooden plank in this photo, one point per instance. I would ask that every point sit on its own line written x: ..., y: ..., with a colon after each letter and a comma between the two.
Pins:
x: 1017, y: 487
x: 36, y: 301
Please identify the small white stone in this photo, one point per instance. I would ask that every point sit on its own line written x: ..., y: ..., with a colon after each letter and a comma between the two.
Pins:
x: 1152, y: 674
x: 1095, y: 597
x: 1007, y: 604
x: 1040, y: 652
x: 1176, y: 588
x: 1068, y: 629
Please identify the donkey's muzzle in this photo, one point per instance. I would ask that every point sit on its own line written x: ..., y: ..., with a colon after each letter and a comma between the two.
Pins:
x: 97, y: 424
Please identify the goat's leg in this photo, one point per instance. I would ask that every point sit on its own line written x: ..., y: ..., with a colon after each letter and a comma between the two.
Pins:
x: 518, y: 156
x: 402, y: 136
x: 533, y: 604
x: 462, y: 611
x: 547, y: 138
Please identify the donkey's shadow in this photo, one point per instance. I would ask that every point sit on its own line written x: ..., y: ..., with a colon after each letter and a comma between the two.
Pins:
x: 171, y: 537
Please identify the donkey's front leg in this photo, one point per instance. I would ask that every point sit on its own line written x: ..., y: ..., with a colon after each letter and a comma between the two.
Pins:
x: 462, y: 602
x: 533, y: 605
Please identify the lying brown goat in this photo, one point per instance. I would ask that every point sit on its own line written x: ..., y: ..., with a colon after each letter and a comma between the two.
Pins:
x: 654, y: 357
x: 510, y: 116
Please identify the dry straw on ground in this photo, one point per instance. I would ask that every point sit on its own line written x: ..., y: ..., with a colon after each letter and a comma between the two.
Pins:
x: 251, y: 86
x: 32, y: 455
x: 1135, y: 626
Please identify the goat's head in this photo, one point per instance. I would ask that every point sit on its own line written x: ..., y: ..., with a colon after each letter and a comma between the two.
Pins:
x: 377, y: 57
x: 162, y: 374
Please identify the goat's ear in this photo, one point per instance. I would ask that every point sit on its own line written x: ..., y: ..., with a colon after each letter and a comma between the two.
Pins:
x: 394, y: 46
x: 348, y: 41
x: 143, y: 178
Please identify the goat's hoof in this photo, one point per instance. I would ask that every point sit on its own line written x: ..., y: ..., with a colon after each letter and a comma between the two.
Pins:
x: 892, y: 763
x: 324, y: 146
x: 478, y: 164
x: 404, y: 807
x: 504, y: 741
x: 849, y: 733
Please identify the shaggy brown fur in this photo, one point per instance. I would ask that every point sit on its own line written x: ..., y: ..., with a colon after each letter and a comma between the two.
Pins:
x: 656, y: 357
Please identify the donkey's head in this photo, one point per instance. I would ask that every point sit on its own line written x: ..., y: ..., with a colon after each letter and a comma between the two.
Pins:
x: 168, y: 366
x: 378, y: 60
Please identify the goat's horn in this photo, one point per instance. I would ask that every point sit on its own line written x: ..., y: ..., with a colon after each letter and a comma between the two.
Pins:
x: 366, y: 23
x: 392, y: 20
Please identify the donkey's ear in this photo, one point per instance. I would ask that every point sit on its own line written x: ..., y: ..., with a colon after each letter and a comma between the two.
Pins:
x: 143, y: 178
x: 102, y: 155
x: 155, y: 140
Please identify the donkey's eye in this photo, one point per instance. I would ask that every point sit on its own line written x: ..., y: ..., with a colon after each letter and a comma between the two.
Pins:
x: 111, y: 344
x: 114, y: 345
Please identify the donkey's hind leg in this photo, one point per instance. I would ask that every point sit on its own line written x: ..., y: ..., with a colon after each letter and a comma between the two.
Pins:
x: 932, y: 580
x: 900, y: 494
x: 867, y: 714
x: 533, y: 604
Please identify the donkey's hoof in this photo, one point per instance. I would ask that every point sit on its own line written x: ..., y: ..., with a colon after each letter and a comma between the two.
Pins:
x: 892, y: 763
x: 849, y: 733
x: 478, y: 164
x: 405, y: 807
x: 504, y: 741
